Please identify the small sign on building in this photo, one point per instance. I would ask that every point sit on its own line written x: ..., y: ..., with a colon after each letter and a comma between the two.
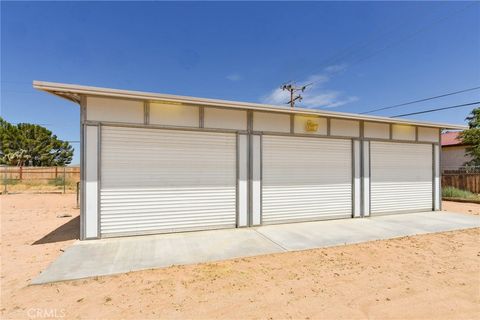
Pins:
x: 311, y: 126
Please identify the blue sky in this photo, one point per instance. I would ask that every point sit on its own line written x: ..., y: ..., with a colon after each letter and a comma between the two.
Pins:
x: 362, y: 55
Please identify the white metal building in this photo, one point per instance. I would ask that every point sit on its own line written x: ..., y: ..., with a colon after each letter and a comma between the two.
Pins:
x: 154, y: 163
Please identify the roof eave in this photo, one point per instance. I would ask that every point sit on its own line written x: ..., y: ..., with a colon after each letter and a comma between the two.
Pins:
x: 73, y: 93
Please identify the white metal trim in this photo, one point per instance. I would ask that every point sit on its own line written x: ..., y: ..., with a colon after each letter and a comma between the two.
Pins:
x: 58, y: 88
x: 164, y: 127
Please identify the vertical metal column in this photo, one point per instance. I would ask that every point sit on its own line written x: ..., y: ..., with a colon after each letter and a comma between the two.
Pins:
x: 356, y: 179
x: 255, y: 179
x: 437, y: 190
x: 242, y: 180
x: 365, y: 173
x: 83, y: 117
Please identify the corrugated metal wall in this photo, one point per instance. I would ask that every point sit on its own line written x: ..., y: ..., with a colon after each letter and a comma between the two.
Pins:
x: 156, y: 180
x: 401, y: 177
x: 306, y: 179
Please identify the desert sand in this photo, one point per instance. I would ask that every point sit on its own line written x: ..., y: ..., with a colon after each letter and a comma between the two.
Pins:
x: 435, y: 276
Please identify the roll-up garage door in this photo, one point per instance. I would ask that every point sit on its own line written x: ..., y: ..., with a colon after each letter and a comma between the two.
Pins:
x: 401, y: 177
x: 305, y: 179
x: 156, y: 180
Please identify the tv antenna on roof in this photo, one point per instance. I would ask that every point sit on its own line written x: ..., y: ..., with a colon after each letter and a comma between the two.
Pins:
x: 293, y: 90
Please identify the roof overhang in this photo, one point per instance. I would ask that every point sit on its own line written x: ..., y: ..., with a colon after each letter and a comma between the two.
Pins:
x: 73, y: 92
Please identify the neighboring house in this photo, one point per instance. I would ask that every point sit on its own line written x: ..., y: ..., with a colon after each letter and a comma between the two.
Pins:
x: 454, y: 154
x: 154, y: 163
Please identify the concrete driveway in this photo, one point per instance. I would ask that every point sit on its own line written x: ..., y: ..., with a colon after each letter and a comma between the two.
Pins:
x: 112, y: 256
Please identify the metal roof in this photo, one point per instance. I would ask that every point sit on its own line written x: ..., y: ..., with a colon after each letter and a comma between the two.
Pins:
x: 73, y: 92
x: 451, y: 139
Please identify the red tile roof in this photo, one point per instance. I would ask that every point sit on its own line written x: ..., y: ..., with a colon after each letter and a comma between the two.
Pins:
x: 451, y: 139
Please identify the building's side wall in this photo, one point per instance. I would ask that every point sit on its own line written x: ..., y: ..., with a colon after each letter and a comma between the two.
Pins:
x: 114, y: 110
x: 250, y: 126
x: 428, y: 134
x: 271, y: 122
x: 344, y: 128
x: 453, y: 157
x: 173, y: 115
x: 403, y: 132
x: 218, y: 118
x: 310, y: 125
x: 376, y: 130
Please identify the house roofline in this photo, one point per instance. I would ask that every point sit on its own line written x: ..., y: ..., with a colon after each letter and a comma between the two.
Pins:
x: 73, y: 92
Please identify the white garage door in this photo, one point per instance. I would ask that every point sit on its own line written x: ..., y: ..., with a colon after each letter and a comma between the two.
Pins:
x: 401, y: 177
x: 166, y: 180
x: 306, y: 179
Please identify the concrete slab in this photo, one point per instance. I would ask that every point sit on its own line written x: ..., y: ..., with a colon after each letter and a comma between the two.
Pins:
x: 309, y: 235
x: 112, y: 256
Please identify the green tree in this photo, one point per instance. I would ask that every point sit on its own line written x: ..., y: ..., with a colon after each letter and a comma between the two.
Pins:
x: 27, y: 144
x: 471, y: 137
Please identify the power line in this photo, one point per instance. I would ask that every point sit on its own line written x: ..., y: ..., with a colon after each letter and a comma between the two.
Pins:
x: 415, y: 32
x: 420, y: 100
x: 403, y: 38
x: 354, y: 48
x: 437, y: 109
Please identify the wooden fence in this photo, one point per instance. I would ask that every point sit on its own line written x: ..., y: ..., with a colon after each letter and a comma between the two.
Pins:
x: 39, y: 173
x: 464, y: 181
x: 457, y: 179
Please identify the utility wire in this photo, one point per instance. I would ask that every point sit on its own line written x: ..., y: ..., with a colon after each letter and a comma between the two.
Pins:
x: 415, y: 32
x: 355, y: 48
x: 420, y: 100
x: 434, y: 110
x: 394, y: 43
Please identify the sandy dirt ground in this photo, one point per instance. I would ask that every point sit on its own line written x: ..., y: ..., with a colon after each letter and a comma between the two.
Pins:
x: 470, y: 208
x: 434, y: 276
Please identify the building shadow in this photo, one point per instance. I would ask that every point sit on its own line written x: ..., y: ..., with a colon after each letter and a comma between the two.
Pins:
x: 67, y: 231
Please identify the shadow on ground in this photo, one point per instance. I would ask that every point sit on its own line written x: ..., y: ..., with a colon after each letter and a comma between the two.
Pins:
x: 67, y: 231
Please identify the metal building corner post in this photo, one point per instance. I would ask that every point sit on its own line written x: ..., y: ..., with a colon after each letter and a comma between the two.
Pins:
x: 83, y: 118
